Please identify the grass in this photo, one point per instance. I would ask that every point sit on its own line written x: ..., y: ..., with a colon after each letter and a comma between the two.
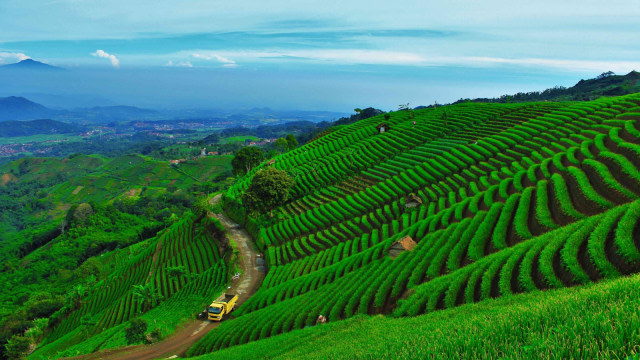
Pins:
x: 599, y: 321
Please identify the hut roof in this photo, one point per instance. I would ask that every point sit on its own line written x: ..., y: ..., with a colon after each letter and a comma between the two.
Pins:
x: 406, y: 242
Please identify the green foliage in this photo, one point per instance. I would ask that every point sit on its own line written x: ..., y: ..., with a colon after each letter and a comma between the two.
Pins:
x: 269, y: 188
x: 246, y: 159
x: 17, y: 347
x: 135, y: 333
x: 292, y: 141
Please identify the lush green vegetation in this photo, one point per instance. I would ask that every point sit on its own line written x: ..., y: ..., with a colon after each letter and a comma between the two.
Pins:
x: 33, y: 127
x: 68, y: 225
x: 514, y: 198
x: 142, y: 284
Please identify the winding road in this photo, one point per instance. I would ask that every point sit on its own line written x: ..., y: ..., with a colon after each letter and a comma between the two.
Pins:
x: 182, y: 339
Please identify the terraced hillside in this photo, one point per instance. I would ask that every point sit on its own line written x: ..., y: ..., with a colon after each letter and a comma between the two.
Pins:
x: 514, y: 198
x: 96, y: 320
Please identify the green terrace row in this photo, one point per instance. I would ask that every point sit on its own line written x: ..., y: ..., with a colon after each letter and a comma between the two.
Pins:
x: 368, y: 154
x: 473, y: 133
x: 411, y: 180
x: 418, y: 168
x: 602, y: 246
x: 549, y: 205
x: 314, y: 156
x: 518, y: 212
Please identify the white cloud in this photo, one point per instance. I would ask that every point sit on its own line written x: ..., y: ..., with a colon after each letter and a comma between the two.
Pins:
x: 209, y: 56
x: 179, y: 64
x: 563, y: 64
x: 112, y: 58
x: 12, y: 57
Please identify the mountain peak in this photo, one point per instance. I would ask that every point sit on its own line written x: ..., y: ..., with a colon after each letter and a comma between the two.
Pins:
x: 30, y: 64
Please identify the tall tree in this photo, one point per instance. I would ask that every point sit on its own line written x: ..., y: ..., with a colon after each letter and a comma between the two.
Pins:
x: 292, y: 141
x: 281, y: 144
x: 269, y: 188
x: 246, y: 159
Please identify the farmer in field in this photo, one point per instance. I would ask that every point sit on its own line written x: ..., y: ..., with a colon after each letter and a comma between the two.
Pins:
x: 321, y: 320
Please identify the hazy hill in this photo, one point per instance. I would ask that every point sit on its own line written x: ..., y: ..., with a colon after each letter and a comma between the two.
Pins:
x: 19, y: 108
x: 30, y: 64
x: 34, y: 127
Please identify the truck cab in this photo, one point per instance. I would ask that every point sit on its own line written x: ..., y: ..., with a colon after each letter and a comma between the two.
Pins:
x: 222, y: 306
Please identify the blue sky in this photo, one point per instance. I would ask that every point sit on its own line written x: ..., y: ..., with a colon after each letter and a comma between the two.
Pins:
x: 319, y: 54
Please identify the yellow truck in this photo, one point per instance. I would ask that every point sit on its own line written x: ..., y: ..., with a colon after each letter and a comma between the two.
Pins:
x: 222, y: 306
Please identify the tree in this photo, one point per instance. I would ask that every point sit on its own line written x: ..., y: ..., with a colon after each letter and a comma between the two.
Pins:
x: 281, y: 145
x: 75, y: 295
x: 176, y: 271
x: 292, y: 141
x: 17, y: 347
x: 246, y: 159
x: 444, y: 117
x: 605, y: 75
x: 82, y: 213
x: 147, y: 294
x: 135, y: 333
x: 269, y: 188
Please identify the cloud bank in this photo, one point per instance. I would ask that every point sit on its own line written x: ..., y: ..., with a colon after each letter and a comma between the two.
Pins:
x: 12, y: 57
x: 112, y: 58
x: 179, y: 64
x: 208, y: 56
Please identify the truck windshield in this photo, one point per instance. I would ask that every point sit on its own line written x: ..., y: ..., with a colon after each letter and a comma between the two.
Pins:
x: 215, y: 310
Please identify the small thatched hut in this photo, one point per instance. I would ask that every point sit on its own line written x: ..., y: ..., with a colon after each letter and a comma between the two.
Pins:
x: 400, y: 246
x: 383, y: 127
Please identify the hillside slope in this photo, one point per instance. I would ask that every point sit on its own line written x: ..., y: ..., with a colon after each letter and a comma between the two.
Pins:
x: 514, y: 198
x: 561, y: 324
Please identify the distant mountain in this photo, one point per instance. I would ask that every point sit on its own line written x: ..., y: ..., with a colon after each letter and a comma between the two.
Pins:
x: 101, y: 114
x: 36, y: 127
x: 30, y: 64
x: 66, y: 101
x: 19, y: 108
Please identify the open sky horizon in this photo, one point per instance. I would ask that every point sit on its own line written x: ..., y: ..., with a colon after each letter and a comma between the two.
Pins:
x: 314, y: 54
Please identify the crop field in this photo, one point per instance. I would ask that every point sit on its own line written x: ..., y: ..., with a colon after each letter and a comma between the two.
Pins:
x: 112, y: 302
x: 514, y: 198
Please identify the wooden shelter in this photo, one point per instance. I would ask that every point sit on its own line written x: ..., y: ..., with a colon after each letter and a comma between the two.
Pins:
x: 402, y: 245
x: 383, y: 127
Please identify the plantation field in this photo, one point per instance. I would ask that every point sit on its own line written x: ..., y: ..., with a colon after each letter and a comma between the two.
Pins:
x: 98, y: 319
x: 515, y: 198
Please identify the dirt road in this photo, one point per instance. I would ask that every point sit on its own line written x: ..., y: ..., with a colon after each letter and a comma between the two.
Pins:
x: 192, y: 331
